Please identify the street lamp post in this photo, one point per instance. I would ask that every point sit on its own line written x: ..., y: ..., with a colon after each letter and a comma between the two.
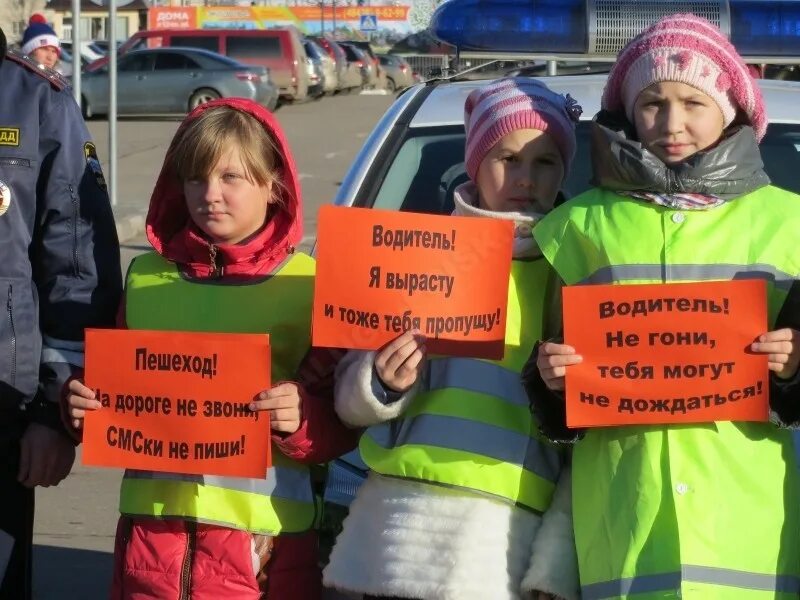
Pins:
x: 76, y: 50
x: 112, y: 101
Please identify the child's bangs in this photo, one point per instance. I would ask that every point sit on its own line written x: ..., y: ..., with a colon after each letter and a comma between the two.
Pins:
x: 207, y: 138
x: 200, y: 156
x: 257, y: 153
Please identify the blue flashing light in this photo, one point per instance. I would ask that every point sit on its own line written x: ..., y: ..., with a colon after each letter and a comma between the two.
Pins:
x: 534, y: 26
x: 765, y: 27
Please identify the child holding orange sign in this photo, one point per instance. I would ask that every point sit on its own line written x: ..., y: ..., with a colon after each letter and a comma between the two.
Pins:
x: 224, y: 220
x: 682, y: 196
x: 460, y: 478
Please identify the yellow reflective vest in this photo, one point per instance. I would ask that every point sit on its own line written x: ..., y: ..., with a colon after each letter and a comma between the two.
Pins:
x: 706, y: 511
x: 158, y: 297
x: 470, y: 425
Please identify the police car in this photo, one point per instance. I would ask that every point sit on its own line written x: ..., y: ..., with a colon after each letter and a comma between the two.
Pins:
x: 414, y: 158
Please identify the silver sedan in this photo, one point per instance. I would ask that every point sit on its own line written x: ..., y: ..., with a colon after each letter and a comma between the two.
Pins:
x: 174, y: 80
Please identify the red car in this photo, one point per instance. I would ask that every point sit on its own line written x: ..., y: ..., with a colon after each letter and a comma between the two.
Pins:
x: 280, y: 50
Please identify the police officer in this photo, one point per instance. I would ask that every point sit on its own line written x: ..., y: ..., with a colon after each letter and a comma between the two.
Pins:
x: 59, y: 273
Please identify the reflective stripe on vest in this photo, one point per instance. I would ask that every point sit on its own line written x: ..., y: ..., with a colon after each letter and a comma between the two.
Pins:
x: 669, y: 582
x: 658, y: 511
x: 477, y: 376
x: 632, y: 273
x: 281, y: 482
x: 470, y: 425
x: 473, y: 437
x: 157, y: 297
x: 625, y: 242
x: 279, y: 503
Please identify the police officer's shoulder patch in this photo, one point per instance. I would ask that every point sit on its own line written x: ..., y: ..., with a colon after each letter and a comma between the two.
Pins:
x: 90, y: 152
x: 9, y: 136
x: 54, y: 77
x: 5, y: 198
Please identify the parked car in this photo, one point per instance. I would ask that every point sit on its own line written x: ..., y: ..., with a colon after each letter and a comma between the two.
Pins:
x: 175, y: 80
x: 399, y: 74
x: 315, y: 77
x: 88, y: 52
x: 348, y: 75
x: 280, y: 50
x: 366, y: 48
x: 64, y: 64
x: 101, y: 46
x: 330, y: 80
x: 356, y: 56
x: 413, y: 159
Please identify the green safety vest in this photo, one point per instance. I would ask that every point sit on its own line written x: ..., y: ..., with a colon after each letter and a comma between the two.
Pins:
x: 158, y: 297
x: 470, y: 425
x: 706, y: 511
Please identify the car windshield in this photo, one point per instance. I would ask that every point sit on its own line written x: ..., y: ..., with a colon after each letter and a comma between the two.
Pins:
x: 352, y: 52
x: 429, y: 165
x: 312, y: 50
x: 365, y: 48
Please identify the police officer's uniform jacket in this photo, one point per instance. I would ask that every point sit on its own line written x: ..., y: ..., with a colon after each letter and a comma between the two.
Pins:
x: 59, y: 271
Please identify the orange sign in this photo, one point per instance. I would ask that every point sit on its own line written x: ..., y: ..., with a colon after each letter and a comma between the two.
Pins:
x: 674, y: 353
x: 352, y: 13
x: 262, y: 17
x: 380, y: 273
x: 169, y: 17
x: 229, y: 13
x: 177, y: 402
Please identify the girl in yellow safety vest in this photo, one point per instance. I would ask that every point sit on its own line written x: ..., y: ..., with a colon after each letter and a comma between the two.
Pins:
x: 224, y: 220
x: 459, y: 477
x: 660, y: 511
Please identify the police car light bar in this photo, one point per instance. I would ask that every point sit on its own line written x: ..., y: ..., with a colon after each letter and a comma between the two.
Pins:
x: 766, y: 27
x: 531, y: 26
x: 761, y: 30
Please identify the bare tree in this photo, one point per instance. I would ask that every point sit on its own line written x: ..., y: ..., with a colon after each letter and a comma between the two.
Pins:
x: 419, y: 16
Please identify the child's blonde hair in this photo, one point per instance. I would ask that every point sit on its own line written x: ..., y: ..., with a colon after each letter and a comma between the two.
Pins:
x: 200, y: 143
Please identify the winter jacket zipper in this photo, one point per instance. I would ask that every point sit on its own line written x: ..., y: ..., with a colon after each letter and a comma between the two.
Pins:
x: 9, y: 310
x: 216, y: 270
x: 75, y: 210
x: 186, y: 568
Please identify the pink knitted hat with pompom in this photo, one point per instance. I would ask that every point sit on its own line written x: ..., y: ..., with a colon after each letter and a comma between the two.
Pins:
x: 505, y: 105
x: 687, y: 49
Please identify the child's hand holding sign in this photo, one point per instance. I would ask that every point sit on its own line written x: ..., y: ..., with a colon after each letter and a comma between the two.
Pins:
x: 284, y: 405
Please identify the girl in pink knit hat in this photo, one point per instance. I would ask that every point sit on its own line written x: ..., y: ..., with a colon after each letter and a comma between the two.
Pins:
x: 460, y: 478
x: 685, y: 511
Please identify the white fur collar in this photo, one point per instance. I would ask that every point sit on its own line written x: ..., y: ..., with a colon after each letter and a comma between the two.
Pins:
x: 465, y: 197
